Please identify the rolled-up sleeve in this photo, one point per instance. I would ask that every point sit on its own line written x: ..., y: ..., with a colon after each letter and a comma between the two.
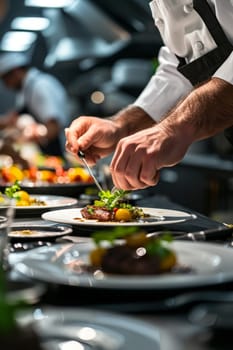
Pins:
x: 225, y: 71
x: 165, y: 88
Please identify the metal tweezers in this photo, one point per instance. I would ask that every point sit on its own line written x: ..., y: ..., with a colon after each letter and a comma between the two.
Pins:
x: 82, y: 157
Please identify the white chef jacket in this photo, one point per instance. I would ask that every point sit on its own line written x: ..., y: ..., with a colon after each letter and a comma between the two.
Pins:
x: 184, y: 34
x: 44, y: 97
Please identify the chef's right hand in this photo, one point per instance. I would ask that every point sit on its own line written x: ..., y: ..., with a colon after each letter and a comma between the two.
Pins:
x: 96, y: 137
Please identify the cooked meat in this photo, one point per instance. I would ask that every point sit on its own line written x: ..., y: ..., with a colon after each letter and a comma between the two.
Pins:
x: 125, y: 260
x: 97, y: 213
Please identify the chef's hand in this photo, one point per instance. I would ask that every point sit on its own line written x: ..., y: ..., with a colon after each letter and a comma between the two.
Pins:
x: 138, y: 158
x: 96, y: 137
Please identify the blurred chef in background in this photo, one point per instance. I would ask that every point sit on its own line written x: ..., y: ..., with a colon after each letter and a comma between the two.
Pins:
x: 190, y: 97
x: 38, y: 95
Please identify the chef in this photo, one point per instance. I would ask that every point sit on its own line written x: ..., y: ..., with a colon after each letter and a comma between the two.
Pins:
x: 189, y: 98
x: 193, y: 34
x: 39, y: 95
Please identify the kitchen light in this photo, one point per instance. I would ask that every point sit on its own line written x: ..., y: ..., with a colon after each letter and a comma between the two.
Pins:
x: 30, y: 23
x: 48, y: 3
x: 97, y: 97
x: 17, y: 40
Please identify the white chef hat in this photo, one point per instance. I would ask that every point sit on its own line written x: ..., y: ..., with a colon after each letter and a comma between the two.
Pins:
x: 11, y: 60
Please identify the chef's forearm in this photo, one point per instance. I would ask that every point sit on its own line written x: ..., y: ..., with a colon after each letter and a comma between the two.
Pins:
x: 207, y: 111
x: 132, y: 119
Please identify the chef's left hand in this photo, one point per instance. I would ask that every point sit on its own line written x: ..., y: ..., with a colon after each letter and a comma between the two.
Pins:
x: 138, y: 158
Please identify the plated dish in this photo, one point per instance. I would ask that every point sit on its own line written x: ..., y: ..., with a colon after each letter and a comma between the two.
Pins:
x: 210, y: 264
x: 59, y: 181
x: 71, y: 189
x: 35, y: 175
x: 83, y: 328
x: 157, y: 217
x: 51, y: 202
x: 28, y: 232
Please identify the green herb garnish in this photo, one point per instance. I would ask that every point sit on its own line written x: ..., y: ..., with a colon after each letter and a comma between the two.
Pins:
x: 10, y: 191
x: 158, y: 246
x: 110, y: 199
x: 90, y: 210
x: 111, y: 235
x: 155, y: 246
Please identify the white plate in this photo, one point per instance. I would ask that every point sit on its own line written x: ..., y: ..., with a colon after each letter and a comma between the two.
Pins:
x: 159, y: 217
x: 52, y: 202
x: 211, y: 264
x: 118, y: 332
x: 34, y: 231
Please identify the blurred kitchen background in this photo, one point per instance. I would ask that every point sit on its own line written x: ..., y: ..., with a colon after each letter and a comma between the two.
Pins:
x: 104, y: 52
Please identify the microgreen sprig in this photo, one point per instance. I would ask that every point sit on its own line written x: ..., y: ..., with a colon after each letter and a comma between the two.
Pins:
x: 111, y: 199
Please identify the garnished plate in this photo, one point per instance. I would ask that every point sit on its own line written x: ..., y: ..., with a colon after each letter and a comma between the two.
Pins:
x: 65, y: 264
x: 156, y: 216
x: 35, y: 231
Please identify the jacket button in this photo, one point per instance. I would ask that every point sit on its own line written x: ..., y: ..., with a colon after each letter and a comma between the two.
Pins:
x: 188, y: 8
x: 159, y: 21
x: 199, y: 45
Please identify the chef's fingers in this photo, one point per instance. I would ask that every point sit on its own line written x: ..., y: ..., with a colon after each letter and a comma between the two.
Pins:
x: 133, y: 169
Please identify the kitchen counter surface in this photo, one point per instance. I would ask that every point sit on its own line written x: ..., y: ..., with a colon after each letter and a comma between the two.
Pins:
x: 176, y: 330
